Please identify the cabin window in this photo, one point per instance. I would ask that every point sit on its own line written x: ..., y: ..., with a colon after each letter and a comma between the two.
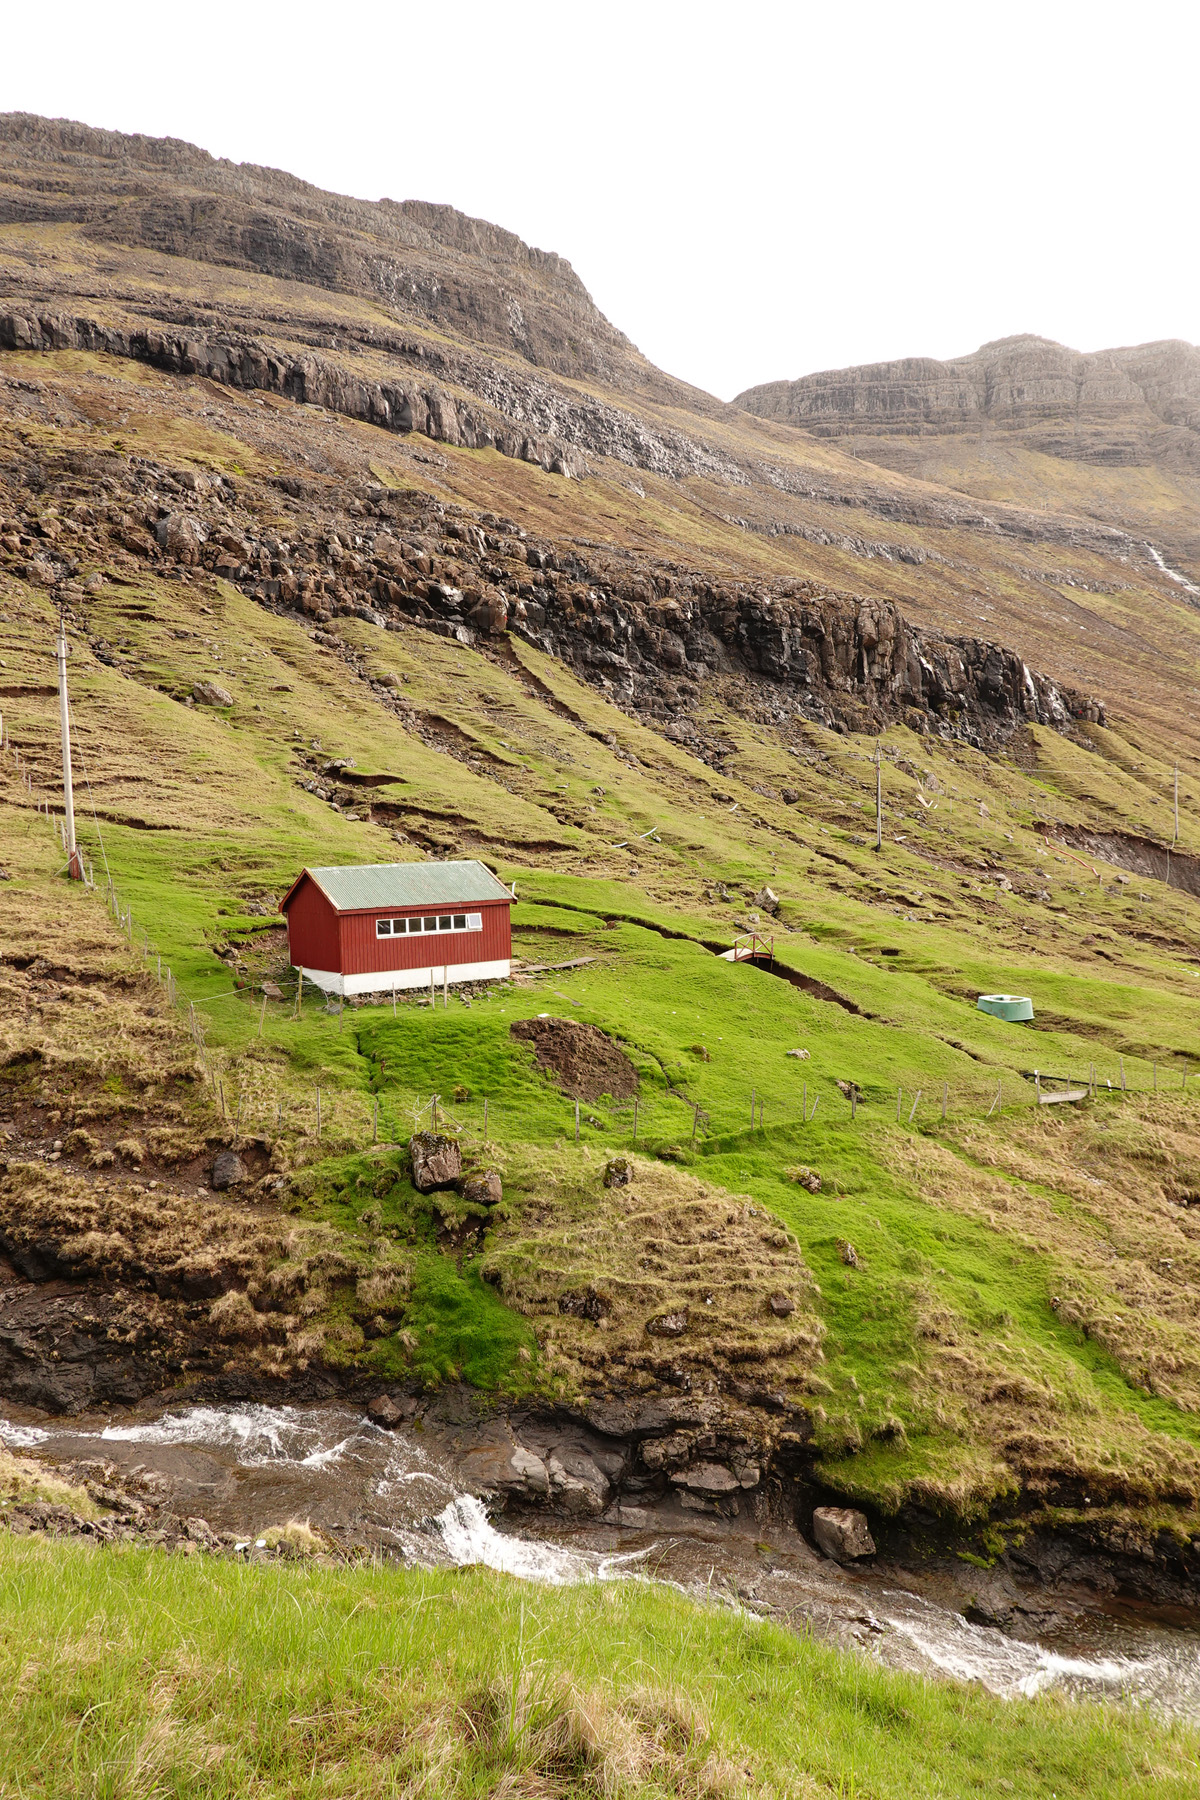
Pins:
x: 443, y: 922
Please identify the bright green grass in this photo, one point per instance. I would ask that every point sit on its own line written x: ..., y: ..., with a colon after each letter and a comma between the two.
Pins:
x: 245, y: 827
x: 132, y: 1674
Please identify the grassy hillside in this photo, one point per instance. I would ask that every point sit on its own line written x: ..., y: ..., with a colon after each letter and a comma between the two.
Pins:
x: 307, y: 1681
x: 1000, y: 1299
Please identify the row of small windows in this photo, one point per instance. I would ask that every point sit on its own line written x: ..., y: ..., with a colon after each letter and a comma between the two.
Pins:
x: 443, y: 922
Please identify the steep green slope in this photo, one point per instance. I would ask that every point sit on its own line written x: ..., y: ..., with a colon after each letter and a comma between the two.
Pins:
x: 1014, y: 1314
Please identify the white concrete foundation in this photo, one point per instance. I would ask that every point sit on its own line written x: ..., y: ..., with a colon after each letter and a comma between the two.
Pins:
x: 384, y: 981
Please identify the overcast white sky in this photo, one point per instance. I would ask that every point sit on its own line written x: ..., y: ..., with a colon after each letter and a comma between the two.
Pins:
x: 748, y: 191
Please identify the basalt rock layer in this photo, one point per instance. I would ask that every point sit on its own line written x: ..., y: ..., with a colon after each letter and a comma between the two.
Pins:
x: 650, y: 637
x: 1020, y: 383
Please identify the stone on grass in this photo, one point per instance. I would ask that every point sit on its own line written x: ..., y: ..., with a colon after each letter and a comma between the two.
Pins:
x: 482, y: 1188
x: 668, y: 1325
x: 802, y: 1054
x: 782, y: 1305
x: 227, y: 1171
x: 848, y: 1253
x: 436, y: 1161
x: 618, y: 1172
x: 767, y: 899
x: 211, y: 693
x: 807, y: 1178
x: 842, y: 1533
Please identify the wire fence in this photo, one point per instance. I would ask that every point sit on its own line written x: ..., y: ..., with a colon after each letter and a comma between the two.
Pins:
x: 666, y: 1121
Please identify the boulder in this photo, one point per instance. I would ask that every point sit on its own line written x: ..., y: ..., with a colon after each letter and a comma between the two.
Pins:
x: 180, y: 539
x: 491, y: 614
x: 227, y: 1171
x: 211, y: 693
x: 842, y: 1533
x: 618, y: 1172
x: 482, y: 1188
x: 668, y: 1325
x: 436, y: 1161
x: 782, y: 1305
x: 707, y: 1478
x: 578, y: 1485
x: 767, y: 899
x: 803, y: 1055
x: 384, y: 1411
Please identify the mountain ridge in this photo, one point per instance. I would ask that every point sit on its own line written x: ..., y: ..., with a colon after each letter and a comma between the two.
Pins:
x: 1014, y: 382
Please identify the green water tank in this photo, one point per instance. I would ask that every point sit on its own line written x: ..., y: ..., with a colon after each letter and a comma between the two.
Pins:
x: 1006, y: 1006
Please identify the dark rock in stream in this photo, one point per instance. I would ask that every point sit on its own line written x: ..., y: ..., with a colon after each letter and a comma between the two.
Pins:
x: 842, y: 1533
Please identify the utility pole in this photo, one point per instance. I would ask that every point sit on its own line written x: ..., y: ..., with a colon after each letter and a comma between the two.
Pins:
x: 74, y: 865
x: 878, y: 796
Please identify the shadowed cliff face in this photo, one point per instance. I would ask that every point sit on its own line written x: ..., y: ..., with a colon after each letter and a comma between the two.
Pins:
x: 1119, y: 402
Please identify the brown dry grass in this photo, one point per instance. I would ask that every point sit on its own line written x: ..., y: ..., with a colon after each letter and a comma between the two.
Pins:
x: 596, y: 1265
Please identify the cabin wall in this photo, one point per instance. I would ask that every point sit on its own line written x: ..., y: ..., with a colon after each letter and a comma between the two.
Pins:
x: 365, y: 954
x: 313, y: 938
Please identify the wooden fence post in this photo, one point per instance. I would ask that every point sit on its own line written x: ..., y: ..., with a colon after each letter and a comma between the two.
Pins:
x: 899, y: 1095
x: 577, y: 1121
x: 485, y: 1104
x: 914, y: 1107
x: 375, y: 1129
x: 262, y: 1016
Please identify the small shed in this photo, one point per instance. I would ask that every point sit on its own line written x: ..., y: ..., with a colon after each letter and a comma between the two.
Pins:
x: 371, y: 928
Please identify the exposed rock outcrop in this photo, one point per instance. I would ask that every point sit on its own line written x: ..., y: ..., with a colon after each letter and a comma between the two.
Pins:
x: 1102, y: 407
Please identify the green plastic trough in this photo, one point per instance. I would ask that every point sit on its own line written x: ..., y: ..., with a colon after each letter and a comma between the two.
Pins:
x: 1006, y: 1006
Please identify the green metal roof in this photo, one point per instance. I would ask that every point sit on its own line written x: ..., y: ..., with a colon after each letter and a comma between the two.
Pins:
x: 363, y: 887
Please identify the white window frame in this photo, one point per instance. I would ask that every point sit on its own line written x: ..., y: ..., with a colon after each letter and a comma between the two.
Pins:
x: 428, y: 924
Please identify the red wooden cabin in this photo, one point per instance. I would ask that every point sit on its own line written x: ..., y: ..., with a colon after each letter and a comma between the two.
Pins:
x: 398, y: 925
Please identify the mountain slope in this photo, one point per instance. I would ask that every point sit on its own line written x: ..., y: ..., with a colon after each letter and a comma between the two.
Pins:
x: 646, y: 694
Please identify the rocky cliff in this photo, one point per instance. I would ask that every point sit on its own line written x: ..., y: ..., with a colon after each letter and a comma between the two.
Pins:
x: 1114, y: 406
x: 427, y: 262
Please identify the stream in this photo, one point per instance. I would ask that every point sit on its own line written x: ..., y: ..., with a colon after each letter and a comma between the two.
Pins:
x: 244, y: 1468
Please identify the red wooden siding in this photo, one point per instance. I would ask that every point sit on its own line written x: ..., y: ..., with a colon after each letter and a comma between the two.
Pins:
x: 319, y: 937
x: 312, y: 929
x: 363, y: 953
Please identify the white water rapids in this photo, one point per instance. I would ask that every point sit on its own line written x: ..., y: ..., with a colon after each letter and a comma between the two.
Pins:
x: 244, y: 1468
